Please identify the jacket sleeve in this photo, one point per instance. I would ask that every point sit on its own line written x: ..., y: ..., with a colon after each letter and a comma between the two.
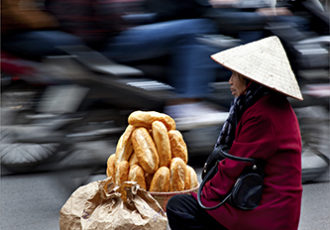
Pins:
x: 255, y: 139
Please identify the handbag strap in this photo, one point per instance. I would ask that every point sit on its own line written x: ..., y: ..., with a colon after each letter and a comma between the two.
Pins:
x: 200, y: 189
x: 235, y: 158
x: 212, y: 171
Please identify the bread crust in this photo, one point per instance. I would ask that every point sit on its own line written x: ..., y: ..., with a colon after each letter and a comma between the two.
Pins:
x: 178, y: 145
x: 109, y: 173
x: 191, y: 180
x: 124, y: 147
x: 136, y: 174
x: 145, y: 150
x: 122, y: 170
x: 162, y: 142
x: 111, y: 166
x: 133, y: 159
x: 178, y: 174
x: 146, y: 118
x: 161, y: 180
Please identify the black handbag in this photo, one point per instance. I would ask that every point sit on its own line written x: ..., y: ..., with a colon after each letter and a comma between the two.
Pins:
x: 247, y: 190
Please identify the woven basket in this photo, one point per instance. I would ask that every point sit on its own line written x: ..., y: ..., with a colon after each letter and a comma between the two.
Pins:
x: 163, y: 197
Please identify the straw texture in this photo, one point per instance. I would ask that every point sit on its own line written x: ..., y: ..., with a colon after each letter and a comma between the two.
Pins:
x: 163, y: 197
x: 263, y: 61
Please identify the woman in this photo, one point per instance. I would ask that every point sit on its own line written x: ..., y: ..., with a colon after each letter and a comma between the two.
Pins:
x: 261, y: 125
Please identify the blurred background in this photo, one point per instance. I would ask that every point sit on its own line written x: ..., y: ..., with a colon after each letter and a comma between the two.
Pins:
x: 73, y: 71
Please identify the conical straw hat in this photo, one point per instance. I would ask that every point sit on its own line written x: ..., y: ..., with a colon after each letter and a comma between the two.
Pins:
x: 263, y: 61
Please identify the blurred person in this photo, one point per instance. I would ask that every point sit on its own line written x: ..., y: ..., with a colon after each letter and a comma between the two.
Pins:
x: 249, y: 18
x: 263, y: 126
x: 166, y: 10
x: 29, y: 31
x: 102, y: 26
x: 189, y: 71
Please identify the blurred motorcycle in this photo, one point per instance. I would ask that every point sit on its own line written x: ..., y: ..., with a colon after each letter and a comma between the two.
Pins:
x: 85, y: 97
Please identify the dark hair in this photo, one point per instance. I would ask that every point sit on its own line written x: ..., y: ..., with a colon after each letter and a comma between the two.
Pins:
x: 247, y: 80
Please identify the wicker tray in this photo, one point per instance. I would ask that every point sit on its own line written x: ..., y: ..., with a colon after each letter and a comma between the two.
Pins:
x: 163, y: 197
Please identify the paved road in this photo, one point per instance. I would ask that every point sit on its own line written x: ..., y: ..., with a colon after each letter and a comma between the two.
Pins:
x: 315, y: 207
x: 33, y: 201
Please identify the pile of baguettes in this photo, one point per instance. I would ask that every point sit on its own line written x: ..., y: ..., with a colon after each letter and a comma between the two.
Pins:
x: 153, y: 153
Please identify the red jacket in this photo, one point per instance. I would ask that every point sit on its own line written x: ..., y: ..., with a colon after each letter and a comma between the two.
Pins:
x: 268, y: 130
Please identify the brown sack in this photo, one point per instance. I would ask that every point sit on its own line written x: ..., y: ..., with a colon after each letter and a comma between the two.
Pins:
x: 102, y: 205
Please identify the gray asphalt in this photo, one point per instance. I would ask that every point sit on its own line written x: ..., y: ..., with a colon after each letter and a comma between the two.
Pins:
x: 33, y: 201
x: 315, y: 207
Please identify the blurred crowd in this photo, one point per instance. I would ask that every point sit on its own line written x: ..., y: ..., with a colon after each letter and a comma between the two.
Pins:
x: 131, y: 31
x: 171, y: 42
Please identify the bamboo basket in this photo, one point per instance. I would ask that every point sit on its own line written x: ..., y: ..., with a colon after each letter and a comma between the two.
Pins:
x: 163, y: 197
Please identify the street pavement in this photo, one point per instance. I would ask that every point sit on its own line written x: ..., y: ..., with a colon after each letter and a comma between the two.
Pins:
x: 33, y: 201
x: 315, y: 207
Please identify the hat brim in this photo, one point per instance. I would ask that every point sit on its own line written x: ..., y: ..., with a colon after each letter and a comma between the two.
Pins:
x: 273, y: 88
x: 263, y: 61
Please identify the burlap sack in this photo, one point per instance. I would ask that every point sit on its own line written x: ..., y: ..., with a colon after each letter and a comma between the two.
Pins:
x: 102, y: 205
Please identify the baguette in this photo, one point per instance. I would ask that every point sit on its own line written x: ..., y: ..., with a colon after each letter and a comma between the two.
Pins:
x: 133, y: 159
x: 111, y: 166
x: 146, y: 118
x: 122, y: 170
x: 109, y: 173
x: 136, y: 173
x: 124, y: 147
x: 178, y: 174
x: 145, y: 150
x: 191, y: 180
x: 161, y: 180
x: 178, y: 146
x: 162, y: 142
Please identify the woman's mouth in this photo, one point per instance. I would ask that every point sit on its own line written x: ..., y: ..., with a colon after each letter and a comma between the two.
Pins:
x: 233, y: 91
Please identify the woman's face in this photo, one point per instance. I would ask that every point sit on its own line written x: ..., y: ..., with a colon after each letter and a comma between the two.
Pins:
x: 237, y: 84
